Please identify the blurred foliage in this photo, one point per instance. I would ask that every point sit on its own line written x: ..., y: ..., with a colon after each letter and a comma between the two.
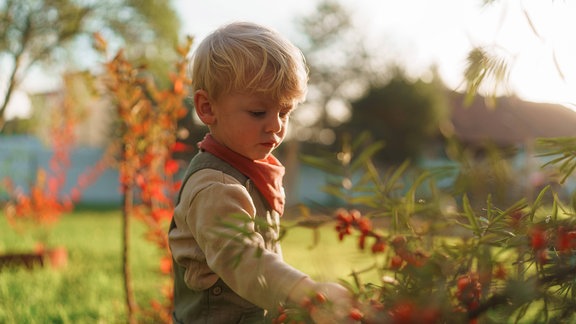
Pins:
x: 45, y: 32
x: 405, y: 115
x: 340, y: 68
x: 41, y: 205
x: 484, y: 67
x: 354, y: 89
x: 479, y: 174
x: 563, y: 154
x: 442, y: 260
x: 326, y: 25
x: 488, y: 66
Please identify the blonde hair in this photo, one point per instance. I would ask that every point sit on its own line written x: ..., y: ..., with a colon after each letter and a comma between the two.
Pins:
x: 248, y: 58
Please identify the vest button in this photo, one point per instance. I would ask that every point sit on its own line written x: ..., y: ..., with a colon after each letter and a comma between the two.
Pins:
x: 216, y: 290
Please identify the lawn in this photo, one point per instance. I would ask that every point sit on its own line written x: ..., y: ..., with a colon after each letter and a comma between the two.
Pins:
x: 90, y: 288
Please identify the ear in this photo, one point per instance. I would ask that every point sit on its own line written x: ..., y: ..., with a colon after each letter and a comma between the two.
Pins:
x: 203, y: 106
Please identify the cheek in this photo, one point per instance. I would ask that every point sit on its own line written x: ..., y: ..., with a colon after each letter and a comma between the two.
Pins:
x: 284, y: 129
x: 285, y: 125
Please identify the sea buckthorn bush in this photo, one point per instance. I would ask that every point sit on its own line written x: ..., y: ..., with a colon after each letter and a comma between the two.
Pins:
x: 447, y: 259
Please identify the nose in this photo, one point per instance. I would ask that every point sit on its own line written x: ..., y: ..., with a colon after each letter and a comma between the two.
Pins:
x: 274, y: 124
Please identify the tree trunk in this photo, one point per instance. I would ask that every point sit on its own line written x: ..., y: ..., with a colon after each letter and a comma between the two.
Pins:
x: 12, y: 82
x: 126, y: 213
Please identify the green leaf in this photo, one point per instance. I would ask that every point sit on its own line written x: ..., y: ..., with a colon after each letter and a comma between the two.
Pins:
x: 363, y: 137
x: 470, y: 215
x: 537, y: 202
x: 568, y: 172
x: 365, y: 155
x: 321, y: 163
x: 397, y: 174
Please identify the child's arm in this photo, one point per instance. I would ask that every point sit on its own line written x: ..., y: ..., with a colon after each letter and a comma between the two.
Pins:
x: 218, y: 212
x: 216, y: 208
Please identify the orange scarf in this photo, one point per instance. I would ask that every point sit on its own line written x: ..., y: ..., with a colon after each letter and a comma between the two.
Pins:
x: 266, y: 174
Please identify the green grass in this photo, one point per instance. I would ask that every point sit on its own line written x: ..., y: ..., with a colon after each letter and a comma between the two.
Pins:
x: 90, y: 288
x: 329, y: 259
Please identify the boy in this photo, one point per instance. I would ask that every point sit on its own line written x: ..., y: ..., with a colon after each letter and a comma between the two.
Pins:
x: 246, y: 79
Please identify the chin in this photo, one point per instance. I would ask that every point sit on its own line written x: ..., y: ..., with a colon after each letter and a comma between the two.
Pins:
x: 261, y: 156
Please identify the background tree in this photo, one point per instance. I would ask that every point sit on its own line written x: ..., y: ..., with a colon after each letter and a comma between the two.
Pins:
x: 43, y: 32
x: 340, y: 69
x: 405, y: 115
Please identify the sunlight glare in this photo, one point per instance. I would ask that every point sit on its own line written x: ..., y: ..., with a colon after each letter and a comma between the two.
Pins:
x: 539, y: 36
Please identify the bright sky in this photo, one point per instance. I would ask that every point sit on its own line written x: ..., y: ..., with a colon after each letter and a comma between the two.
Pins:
x: 423, y: 32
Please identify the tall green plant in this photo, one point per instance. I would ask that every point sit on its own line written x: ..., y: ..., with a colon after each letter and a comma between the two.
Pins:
x: 441, y: 260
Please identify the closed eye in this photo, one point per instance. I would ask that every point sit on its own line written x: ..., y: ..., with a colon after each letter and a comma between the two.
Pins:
x: 286, y: 110
x: 257, y: 113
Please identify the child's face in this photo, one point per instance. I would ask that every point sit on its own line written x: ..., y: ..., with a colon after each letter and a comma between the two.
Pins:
x: 252, y: 125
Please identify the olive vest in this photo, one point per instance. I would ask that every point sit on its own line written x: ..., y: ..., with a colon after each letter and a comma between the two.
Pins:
x: 219, y: 304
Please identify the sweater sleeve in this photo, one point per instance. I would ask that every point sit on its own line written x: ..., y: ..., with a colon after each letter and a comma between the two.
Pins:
x: 220, y: 216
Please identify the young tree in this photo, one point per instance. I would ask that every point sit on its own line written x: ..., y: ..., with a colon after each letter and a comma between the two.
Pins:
x: 148, y: 121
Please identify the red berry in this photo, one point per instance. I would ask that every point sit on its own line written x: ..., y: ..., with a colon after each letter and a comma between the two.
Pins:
x: 463, y: 282
x: 281, y: 318
x: 356, y: 314
x: 396, y: 262
x: 355, y: 214
x: 321, y: 298
x: 500, y: 272
x: 364, y: 225
x: 399, y: 241
x: 378, y: 246
x: 343, y: 216
x: 538, y: 238
x: 403, y: 312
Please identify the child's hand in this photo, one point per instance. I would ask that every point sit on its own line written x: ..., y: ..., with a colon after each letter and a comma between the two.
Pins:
x: 326, y: 303
x: 336, y: 305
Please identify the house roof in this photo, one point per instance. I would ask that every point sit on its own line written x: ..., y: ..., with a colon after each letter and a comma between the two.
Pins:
x: 511, y: 121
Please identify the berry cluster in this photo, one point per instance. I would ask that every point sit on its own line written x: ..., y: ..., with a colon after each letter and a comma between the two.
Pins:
x: 406, y: 256
x: 347, y: 220
x: 469, y: 291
